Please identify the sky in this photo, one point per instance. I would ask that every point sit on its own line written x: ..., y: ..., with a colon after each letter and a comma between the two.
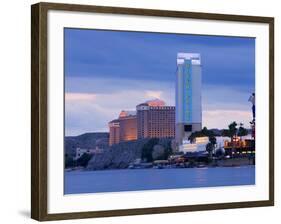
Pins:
x: 110, y: 71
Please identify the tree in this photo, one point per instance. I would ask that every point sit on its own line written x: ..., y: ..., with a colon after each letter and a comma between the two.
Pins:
x: 206, y: 133
x: 232, y: 129
x: 168, y: 149
x: 68, y: 161
x: 173, y: 146
x: 212, y: 140
x: 211, y: 145
x: 220, y: 152
x: 84, y: 159
x: 148, y: 148
x: 209, y: 149
x: 203, y: 133
x: 242, y: 131
x: 195, y: 135
x: 231, y: 132
x: 158, y: 152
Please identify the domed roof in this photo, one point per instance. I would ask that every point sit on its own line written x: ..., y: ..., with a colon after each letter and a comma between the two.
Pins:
x: 126, y: 113
x: 155, y: 103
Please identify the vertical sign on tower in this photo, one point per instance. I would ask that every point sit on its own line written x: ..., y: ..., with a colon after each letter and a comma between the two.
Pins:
x: 188, y: 96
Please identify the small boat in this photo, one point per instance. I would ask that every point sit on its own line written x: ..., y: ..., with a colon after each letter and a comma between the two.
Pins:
x: 201, y: 166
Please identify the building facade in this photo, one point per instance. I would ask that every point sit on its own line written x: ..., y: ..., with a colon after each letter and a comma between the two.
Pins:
x: 128, y: 128
x: 188, y: 96
x: 199, y: 145
x: 155, y: 120
x: 152, y: 119
x: 124, y: 128
x: 80, y: 152
x: 114, y: 132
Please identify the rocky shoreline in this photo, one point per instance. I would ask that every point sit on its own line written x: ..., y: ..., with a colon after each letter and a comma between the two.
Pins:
x: 102, y: 162
x: 121, y: 155
x: 117, y: 156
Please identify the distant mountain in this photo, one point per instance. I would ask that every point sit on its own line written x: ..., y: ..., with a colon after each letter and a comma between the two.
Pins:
x: 219, y: 132
x: 87, y: 140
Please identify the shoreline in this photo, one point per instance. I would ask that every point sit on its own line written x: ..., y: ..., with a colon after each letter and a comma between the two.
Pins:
x: 164, y: 168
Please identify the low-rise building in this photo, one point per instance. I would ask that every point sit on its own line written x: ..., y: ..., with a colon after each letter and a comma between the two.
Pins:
x: 114, y: 132
x: 240, y: 145
x: 245, y: 144
x: 80, y: 152
x: 199, y: 145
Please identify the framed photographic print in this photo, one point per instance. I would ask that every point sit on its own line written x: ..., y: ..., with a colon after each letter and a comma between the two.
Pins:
x: 141, y: 111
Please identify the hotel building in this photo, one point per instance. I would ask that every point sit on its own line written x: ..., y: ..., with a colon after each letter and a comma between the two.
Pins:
x: 188, y: 96
x: 124, y: 128
x: 155, y: 120
x: 114, y: 132
x: 152, y: 119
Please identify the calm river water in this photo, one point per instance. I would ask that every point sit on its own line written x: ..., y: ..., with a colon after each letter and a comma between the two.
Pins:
x: 151, y: 179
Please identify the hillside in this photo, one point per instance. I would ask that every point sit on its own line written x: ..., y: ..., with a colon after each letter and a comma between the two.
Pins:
x: 87, y: 140
x: 120, y: 155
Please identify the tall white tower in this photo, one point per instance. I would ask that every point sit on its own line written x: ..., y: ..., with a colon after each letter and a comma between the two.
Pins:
x: 188, y: 96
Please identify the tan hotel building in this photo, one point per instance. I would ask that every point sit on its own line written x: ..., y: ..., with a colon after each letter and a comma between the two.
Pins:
x: 124, y: 128
x: 155, y: 120
x: 151, y: 120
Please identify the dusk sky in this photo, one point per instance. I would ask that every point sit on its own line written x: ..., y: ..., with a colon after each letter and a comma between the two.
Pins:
x: 110, y: 71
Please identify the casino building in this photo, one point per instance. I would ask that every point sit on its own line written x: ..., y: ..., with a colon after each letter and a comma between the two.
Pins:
x: 155, y: 120
x: 124, y: 128
x: 152, y: 119
x: 188, y: 96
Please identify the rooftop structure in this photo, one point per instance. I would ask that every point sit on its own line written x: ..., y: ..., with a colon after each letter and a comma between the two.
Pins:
x: 155, y: 103
x: 195, y: 58
x: 127, y: 113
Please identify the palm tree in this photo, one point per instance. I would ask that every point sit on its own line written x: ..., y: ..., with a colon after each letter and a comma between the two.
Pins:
x: 231, y: 132
x: 241, y: 130
x: 195, y: 135
x: 211, y: 145
x: 203, y: 133
x: 209, y: 149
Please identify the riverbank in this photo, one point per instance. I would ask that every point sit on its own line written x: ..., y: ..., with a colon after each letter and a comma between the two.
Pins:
x: 227, y: 162
x: 244, y: 161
